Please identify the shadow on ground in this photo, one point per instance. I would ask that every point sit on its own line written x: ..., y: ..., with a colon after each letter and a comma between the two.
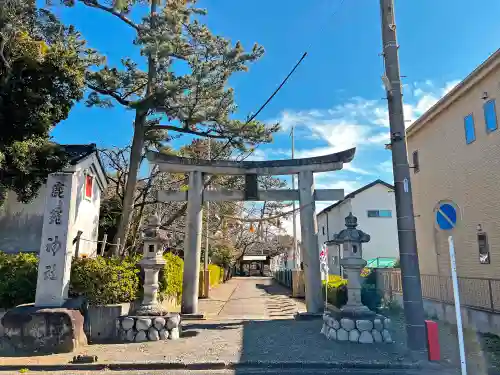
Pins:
x: 273, y: 289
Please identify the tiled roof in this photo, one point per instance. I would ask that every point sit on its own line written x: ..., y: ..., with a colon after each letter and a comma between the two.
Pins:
x: 78, y: 152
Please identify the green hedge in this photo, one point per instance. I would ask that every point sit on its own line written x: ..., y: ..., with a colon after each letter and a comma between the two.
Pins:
x: 170, y: 278
x: 18, y: 274
x: 337, y: 291
x: 101, y: 280
x: 105, y: 280
x: 216, y: 274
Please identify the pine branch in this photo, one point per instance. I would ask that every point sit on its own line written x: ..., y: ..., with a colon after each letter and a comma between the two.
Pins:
x: 110, y: 10
x: 113, y: 94
x: 185, y: 130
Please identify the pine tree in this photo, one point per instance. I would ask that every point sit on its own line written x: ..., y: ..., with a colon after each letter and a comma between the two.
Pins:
x: 198, y: 102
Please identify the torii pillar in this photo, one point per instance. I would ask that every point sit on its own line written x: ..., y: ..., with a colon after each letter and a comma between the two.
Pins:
x: 306, y: 195
x: 192, y: 244
x: 309, y: 236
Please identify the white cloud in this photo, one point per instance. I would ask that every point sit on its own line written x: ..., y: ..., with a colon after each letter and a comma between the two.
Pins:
x: 386, y: 166
x: 359, y: 122
x: 257, y: 155
x: 355, y: 123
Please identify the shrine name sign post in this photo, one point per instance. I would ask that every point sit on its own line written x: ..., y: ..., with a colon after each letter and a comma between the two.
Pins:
x: 306, y: 195
x: 56, y: 249
x: 52, y: 325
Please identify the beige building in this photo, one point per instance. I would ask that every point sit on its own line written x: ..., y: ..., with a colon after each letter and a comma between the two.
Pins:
x: 455, y: 152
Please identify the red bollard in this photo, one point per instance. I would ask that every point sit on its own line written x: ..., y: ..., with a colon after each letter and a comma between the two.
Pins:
x: 433, y: 340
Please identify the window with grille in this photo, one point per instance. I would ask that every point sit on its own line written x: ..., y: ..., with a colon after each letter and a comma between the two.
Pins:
x: 416, y: 162
x: 379, y: 213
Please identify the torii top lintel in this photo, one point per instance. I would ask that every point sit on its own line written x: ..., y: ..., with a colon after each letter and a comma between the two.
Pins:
x: 325, y: 163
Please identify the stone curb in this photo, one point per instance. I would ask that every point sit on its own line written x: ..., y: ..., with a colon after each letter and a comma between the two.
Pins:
x: 215, y: 366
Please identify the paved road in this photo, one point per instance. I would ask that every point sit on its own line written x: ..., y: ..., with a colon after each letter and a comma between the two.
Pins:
x: 251, y: 298
x: 252, y: 372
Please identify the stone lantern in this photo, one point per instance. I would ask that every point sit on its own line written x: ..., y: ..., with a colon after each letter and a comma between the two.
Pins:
x: 351, y: 241
x: 354, y: 322
x: 150, y: 322
x: 152, y: 262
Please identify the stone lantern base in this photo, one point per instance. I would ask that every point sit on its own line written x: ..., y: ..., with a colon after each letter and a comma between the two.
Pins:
x: 148, y: 328
x: 363, y: 329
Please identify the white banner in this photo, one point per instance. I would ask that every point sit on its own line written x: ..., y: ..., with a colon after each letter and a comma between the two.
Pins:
x: 323, y: 261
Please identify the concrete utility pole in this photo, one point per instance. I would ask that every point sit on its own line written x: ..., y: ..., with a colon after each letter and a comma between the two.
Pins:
x: 412, y: 289
x: 294, y: 215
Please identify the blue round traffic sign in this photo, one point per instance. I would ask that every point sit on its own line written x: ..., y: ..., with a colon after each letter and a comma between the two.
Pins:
x: 446, y: 216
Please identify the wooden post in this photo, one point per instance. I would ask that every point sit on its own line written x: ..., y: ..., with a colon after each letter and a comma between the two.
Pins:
x: 117, y: 248
x: 103, y: 243
x: 76, y: 241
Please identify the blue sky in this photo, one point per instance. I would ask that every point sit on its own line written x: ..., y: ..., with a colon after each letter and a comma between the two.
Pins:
x: 334, y: 98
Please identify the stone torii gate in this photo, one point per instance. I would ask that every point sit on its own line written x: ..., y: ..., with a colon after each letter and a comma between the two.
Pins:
x: 306, y: 195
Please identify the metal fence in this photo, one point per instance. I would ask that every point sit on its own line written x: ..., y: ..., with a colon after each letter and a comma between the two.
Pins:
x: 284, y: 277
x: 476, y: 293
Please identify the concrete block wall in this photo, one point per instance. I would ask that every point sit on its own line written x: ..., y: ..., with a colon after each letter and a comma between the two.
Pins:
x: 477, y: 320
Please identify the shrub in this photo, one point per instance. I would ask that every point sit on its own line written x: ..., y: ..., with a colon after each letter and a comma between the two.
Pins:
x: 105, y: 280
x: 336, y: 290
x: 18, y: 275
x: 216, y: 274
x: 170, y: 278
x: 101, y: 280
x: 336, y: 279
x: 223, y: 254
x: 371, y: 296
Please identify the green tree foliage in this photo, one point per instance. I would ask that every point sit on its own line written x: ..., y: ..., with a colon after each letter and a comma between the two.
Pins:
x: 195, y: 100
x: 223, y: 253
x: 42, y: 70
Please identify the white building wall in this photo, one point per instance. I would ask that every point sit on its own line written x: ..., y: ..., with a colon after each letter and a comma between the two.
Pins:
x: 21, y: 224
x: 336, y: 222
x: 86, y: 218
x: 383, y: 231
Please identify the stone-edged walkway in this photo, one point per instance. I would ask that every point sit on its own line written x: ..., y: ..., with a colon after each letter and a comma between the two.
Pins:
x: 250, y: 298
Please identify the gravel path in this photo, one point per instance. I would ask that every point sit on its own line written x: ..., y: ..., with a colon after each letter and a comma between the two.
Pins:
x: 236, y: 341
x: 249, y: 319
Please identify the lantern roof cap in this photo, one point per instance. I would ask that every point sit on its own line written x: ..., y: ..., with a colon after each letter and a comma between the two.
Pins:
x: 350, y: 234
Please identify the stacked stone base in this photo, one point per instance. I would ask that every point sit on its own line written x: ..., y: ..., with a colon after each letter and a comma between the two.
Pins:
x: 363, y: 329
x: 148, y: 328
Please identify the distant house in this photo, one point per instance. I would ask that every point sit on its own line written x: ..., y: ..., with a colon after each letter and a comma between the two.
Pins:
x: 375, y: 207
x: 21, y: 224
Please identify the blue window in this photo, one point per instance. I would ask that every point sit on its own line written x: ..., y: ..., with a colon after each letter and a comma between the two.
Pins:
x: 490, y: 115
x: 470, y: 132
x: 379, y: 213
